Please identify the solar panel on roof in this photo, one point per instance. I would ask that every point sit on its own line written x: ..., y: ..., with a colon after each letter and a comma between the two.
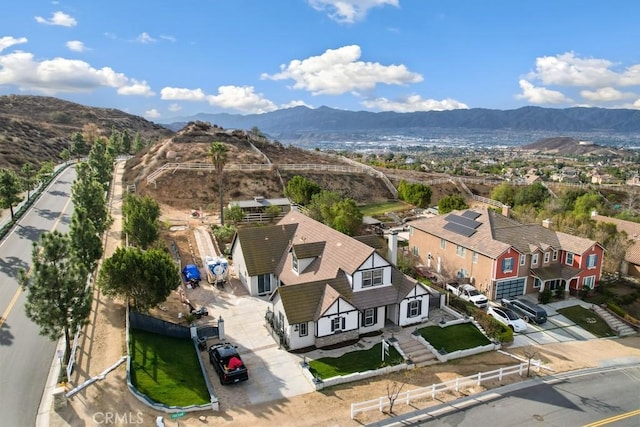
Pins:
x: 459, y: 229
x: 470, y: 214
x: 463, y: 221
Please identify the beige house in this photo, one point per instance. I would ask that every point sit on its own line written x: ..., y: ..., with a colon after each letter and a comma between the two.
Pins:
x: 502, y: 257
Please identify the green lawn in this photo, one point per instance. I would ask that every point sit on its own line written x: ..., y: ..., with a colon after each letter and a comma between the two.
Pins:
x: 455, y: 337
x: 166, y: 369
x: 355, y: 361
x: 587, y: 320
x: 380, y: 208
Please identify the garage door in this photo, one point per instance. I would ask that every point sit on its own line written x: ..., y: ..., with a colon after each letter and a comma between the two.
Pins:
x: 510, y: 288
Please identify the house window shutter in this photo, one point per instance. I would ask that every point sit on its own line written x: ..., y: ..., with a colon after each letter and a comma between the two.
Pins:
x: 504, y: 263
x: 375, y: 315
x: 344, y: 323
x: 419, y: 311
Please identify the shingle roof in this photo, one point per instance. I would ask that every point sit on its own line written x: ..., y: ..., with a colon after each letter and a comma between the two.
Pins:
x: 341, y: 252
x: 556, y: 271
x: 262, y: 247
x: 497, y: 233
x: 308, y: 250
x: 633, y: 233
x: 305, y: 302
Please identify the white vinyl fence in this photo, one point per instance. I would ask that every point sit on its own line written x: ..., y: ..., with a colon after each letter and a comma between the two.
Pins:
x: 430, y: 392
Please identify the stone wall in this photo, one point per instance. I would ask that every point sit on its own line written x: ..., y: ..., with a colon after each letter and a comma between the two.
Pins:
x: 337, y: 338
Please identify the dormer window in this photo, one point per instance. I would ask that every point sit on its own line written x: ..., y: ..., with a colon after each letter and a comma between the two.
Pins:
x: 372, y: 277
x: 294, y: 262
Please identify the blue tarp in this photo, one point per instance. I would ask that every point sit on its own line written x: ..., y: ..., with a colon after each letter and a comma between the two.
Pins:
x: 191, y: 271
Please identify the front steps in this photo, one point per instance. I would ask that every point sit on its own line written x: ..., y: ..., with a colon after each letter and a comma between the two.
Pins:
x: 416, y: 351
x: 618, y: 326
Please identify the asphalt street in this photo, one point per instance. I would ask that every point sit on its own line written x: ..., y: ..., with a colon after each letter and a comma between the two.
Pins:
x: 25, y: 355
x: 598, y: 397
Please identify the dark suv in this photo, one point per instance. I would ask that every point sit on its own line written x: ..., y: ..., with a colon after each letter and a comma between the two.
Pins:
x: 529, y: 311
x: 227, y: 363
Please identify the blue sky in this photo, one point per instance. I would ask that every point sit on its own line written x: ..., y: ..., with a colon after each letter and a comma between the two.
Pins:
x: 163, y: 59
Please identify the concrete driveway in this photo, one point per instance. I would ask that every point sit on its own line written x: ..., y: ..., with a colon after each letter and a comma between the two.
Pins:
x: 556, y: 329
x: 274, y: 373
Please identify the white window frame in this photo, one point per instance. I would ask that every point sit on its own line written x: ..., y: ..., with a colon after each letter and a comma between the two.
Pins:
x: 294, y: 262
x: 373, y: 277
x: 336, y: 324
x: 591, y: 264
x: 546, y: 257
x: 475, y: 257
x: 569, y: 256
x: 589, y: 282
x: 414, y: 308
x: 537, y: 283
x: 534, y: 260
x: 508, y: 268
x: 415, y: 251
x: 303, y: 329
x: 461, y: 251
x: 369, y: 314
x: 443, y: 244
x: 555, y: 255
x: 523, y: 259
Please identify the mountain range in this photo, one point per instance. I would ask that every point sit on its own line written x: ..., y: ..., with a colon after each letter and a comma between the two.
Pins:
x: 303, y: 123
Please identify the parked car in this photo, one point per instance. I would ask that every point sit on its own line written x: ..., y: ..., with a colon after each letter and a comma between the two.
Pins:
x: 529, y: 311
x: 467, y: 292
x: 508, y: 317
x: 228, y: 364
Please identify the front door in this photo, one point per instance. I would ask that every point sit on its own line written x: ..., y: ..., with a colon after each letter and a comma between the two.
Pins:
x: 264, y: 284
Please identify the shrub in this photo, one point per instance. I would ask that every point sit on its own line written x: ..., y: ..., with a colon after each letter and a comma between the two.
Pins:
x: 545, y: 296
x: 616, y: 309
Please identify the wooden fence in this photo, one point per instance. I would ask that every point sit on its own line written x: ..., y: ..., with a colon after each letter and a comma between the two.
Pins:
x: 432, y: 390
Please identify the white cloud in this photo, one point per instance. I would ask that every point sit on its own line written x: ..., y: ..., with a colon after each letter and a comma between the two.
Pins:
x: 296, y: 103
x: 174, y: 108
x: 606, y: 94
x: 136, y: 88
x: 414, y: 103
x: 182, y: 94
x: 168, y: 38
x: 567, y: 69
x: 57, y: 75
x: 152, y: 114
x: 349, y: 11
x: 76, y: 46
x: 241, y: 98
x: 338, y: 71
x: 145, y: 38
x: 541, y: 95
x: 9, y: 41
x: 58, y: 18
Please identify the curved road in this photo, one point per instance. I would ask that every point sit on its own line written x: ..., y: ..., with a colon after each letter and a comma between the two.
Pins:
x: 25, y: 355
x: 590, y: 398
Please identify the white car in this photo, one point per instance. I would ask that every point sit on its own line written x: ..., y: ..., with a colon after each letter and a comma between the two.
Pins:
x: 508, y: 317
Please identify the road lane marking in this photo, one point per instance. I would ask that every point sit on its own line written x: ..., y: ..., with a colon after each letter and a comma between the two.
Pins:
x: 5, y: 315
x: 614, y: 419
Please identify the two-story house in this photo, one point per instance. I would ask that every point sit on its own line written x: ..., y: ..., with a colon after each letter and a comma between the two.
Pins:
x: 502, y: 257
x: 325, y: 287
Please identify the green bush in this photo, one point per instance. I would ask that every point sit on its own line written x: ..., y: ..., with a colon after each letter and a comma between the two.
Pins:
x: 493, y: 328
x: 616, y: 309
x: 545, y: 296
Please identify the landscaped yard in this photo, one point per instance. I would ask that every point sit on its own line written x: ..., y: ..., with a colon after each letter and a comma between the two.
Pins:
x: 355, y: 361
x: 166, y: 369
x: 380, y: 208
x: 587, y: 320
x: 454, y: 338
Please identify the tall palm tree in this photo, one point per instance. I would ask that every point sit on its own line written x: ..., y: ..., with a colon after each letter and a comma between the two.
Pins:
x: 218, y: 152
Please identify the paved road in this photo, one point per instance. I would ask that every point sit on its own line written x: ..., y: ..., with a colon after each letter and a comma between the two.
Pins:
x: 25, y: 356
x: 603, y: 396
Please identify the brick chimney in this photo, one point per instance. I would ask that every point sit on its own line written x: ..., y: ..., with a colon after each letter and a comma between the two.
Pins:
x: 393, y: 247
x: 506, y: 210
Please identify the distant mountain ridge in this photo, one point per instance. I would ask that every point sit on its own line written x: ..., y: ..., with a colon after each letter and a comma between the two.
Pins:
x: 299, y: 121
x: 571, y: 146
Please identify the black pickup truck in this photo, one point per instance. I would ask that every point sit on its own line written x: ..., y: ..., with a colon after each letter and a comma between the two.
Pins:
x: 227, y: 363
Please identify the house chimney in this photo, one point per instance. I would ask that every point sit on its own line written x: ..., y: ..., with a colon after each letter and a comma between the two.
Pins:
x: 547, y: 223
x: 393, y: 247
x: 506, y: 210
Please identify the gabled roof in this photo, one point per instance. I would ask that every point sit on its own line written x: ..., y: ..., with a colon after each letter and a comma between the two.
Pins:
x: 308, y: 250
x: 341, y: 252
x: 498, y: 233
x: 556, y: 271
x: 633, y: 233
x: 262, y: 247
